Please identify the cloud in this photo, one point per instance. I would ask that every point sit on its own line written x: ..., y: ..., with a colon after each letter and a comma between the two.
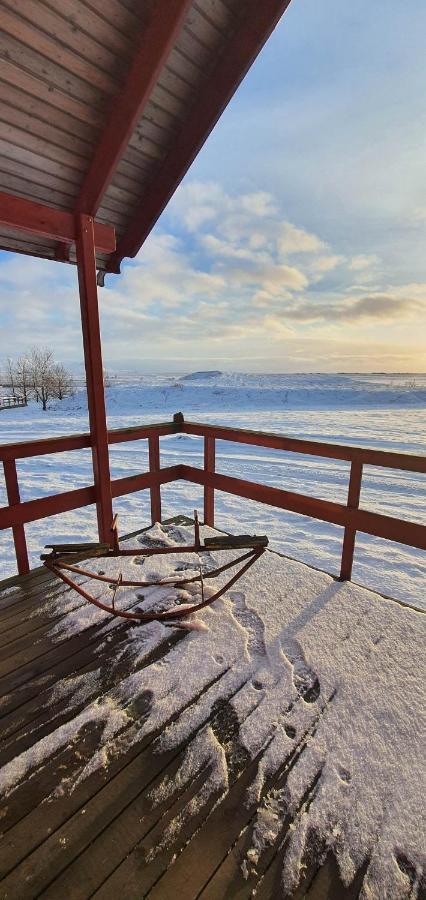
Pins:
x: 259, y: 204
x: 357, y: 263
x: 326, y: 263
x: 225, y: 273
x: 292, y: 240
x: 197, y: 203
x: 219, y: 248
x: 239, y: 224
x: 382, y: 307
x: 273, y: 278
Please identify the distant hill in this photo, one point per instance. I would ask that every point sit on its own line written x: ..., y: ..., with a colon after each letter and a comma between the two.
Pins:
x: 195, y: 376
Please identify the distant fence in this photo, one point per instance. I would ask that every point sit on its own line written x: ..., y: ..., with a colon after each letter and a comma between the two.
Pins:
x: 349, y: 516
x: 11, y: 402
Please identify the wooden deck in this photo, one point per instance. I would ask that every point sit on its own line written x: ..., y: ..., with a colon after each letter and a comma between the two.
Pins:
x: 100, y: 838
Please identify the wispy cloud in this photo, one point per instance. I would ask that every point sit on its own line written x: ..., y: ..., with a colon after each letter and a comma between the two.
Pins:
x: 373, y: 307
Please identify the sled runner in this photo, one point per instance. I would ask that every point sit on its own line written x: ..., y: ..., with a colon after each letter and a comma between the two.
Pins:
x: 63, y: 558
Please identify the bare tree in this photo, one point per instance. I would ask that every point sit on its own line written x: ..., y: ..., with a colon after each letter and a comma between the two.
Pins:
x: 11, y: 375
x: 23, y: 375
x: 63, y: 382
x: 42, y: 380
x: 37, y: 375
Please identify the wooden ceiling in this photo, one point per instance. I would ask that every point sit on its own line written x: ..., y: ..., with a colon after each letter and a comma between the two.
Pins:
x: 104, y: 104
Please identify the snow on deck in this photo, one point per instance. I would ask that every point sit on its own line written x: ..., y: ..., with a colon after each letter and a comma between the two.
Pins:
x: 323, y: 687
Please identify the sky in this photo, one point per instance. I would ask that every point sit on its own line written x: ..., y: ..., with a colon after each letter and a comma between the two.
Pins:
x: 296, y: 242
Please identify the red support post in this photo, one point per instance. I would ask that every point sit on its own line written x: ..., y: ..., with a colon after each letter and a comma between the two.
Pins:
x: 209, y: 467
x: 18, y: 531
x: 154, y: 466
x: 86, y: 264
x: 350, y: 532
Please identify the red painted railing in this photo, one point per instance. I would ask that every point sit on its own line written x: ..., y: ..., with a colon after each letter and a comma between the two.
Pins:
x: 349, y: 516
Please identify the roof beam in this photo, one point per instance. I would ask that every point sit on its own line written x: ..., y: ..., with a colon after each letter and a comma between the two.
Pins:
x: 55, y: 224
x: 243, y: 47
x: 157, y: 40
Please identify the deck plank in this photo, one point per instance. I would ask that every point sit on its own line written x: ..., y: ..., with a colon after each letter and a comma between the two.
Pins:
x: 45, y: 712
x: 33, y: 825
x: 33, y: 658
x: 30, y: 601
x: 135, y: 823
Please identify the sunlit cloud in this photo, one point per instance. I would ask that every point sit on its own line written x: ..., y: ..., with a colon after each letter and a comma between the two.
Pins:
x: 226, y: 273
x: 296, y: 240
x: 361, y: 262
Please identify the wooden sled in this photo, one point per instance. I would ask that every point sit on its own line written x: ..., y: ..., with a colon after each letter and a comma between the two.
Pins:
x: 63, y: 558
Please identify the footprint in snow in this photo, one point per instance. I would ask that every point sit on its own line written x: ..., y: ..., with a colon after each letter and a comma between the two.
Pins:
x: 406, y: 867
x: 344, y: 775
x: 251, y: 622
x: 305, y: 680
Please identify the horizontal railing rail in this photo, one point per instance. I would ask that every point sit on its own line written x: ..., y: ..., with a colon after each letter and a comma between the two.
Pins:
x: 386, y: 458
x: 387, y: 527
x: 348, y: 516
x: 12, y: 402
x: 45, y: 446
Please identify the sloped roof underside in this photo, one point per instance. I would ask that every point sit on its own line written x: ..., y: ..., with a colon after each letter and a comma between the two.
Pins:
x: 64, y: 67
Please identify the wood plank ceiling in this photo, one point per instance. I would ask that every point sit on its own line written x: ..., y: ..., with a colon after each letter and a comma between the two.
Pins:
x: 63, y: 70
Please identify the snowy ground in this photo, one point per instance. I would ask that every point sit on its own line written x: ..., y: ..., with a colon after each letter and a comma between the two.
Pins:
x: 330, y: 672
x: 380, y: 411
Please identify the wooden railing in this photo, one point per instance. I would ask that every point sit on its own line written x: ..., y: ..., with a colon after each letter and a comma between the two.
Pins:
x: 11, y: 402
x: 349, y: 516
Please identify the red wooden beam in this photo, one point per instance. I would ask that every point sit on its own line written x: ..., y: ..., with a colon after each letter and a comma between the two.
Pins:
x: 154, y: 468
x: 44, y: 446
x: 19, y: 539
x: 132, y: 483
x: 209, y: 466
x: 354, y: 494
x: 250, y: 490
x: 157, y: 40
x: 36, y: 218
x: 32, y: 510
x: 386, y: 458
x: 86, y: 263
x: 252, y: 32
x: 18, y: 514
x: 410, y: 533
x: 141, y: 432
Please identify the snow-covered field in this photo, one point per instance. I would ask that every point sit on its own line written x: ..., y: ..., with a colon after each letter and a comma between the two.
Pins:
x: 380, y: 411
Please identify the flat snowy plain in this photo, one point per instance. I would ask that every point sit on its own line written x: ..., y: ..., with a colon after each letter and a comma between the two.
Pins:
x: 381, y: 411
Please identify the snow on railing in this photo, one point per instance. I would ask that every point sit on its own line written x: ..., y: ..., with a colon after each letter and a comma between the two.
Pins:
x: 349, y: 516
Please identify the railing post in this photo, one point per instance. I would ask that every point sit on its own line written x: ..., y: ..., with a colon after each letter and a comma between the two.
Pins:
x: 18, y: 531
x: 86, y: 264
x: 154, y: 466
x: 350, y: 532
x: 209, y: 467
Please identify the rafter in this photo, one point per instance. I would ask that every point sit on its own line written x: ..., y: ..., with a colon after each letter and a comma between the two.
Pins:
x: 157, y: 40
x: 241, y: 51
